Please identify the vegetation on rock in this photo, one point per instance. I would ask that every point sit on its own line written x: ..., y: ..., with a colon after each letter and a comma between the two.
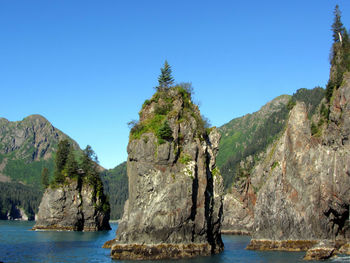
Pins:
x: 250, y: 135
x: 165, y: 79
x: 340, y: 55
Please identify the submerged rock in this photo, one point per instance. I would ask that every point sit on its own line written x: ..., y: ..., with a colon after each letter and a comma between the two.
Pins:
x: 72, y: 206
x: 175, y: 190
x: 321, y: 251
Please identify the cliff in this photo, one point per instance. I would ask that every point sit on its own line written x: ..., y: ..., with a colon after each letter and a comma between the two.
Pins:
x: 303, y: 183
x: 72, y: 206
x: 245, y: 142
x: 174, y: 208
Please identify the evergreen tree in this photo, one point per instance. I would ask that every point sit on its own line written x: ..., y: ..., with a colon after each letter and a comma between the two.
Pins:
x: 45, y: 177
x: 165, y: 78
x: 89, y: 164
x: 340, y: 54
x: 61, y: 159
x: 337, y: 26
x: 71, y: 166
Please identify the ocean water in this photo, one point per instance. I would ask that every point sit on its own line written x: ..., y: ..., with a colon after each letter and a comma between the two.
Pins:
x: 19, y: 244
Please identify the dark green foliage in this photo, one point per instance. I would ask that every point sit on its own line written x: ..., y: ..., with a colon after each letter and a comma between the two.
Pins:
x: 291, y: 104
x: 163, y: 109
x: 16, y: 194
x: 311, y: 98
x: 45, y: 177
x: 324, y: 111
x: 314, y: 129
x: 89, y: 165
x: 329, y: 91
x: 71, y: 167
x: 165, y: 78
x: 115, y: 182
x: 340, y: 55
x: 28, y: 172
x: 60, y: 160
x: 164, y: 132
x: 337, y: 26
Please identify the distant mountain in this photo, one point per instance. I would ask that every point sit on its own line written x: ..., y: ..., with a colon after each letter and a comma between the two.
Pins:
x: 26, y: 147
x: 245, y: 137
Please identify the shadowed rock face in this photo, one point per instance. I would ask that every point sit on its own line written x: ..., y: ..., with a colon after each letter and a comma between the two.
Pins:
x: 305, y: 180
x: 71, y: 207
x: 239, y: 211
x: 175, y: 192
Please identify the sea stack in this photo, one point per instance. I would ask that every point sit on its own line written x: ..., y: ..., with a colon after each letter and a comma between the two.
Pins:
x: 175, y: 206
x: 73, y: 207
x: 74, y: 200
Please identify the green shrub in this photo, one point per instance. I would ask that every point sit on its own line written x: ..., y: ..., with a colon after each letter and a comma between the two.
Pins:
x: 164, y: 132
x: 291, y: 104
x: 314, y: 129
x: 163, y: 109
x: 185, y: 158
x: 324, y: 110
x: 274, y: 165
x: 146, y: 103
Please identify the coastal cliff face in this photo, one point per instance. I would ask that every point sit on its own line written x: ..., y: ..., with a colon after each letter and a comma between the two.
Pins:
x: 175, y: 190
x: 238, y: 210
x: 303, y: 183
x: 73, y: 207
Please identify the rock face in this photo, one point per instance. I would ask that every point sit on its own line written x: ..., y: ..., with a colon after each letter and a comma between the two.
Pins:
x: 239, y: 211
x: 71, y: 207
x: 175, y: 191
x: 243, y: 144
x: 304, y: 181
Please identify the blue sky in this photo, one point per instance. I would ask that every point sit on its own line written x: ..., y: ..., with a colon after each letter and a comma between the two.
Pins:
x: 87, y: 66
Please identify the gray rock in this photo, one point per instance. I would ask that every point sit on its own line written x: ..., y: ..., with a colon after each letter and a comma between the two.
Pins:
x: 175, y: 192
x: 321, y: 251
x: 305, y: 191
x: 71, y: 207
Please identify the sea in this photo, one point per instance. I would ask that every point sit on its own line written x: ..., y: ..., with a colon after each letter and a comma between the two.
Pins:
x: 18, y: 243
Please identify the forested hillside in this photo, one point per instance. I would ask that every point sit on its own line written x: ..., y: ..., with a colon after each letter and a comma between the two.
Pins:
x: 26, y: 148
x: 247, y: 136
x: 14, y: 196
x: 115, y: 183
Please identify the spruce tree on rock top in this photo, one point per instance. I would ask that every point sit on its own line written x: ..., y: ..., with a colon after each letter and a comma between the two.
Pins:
x: 337, y: 27
x: 165, y: 78
x: 340, y: 54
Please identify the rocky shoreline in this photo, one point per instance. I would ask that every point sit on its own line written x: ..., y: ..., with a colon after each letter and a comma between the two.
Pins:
x: 315, y: 249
